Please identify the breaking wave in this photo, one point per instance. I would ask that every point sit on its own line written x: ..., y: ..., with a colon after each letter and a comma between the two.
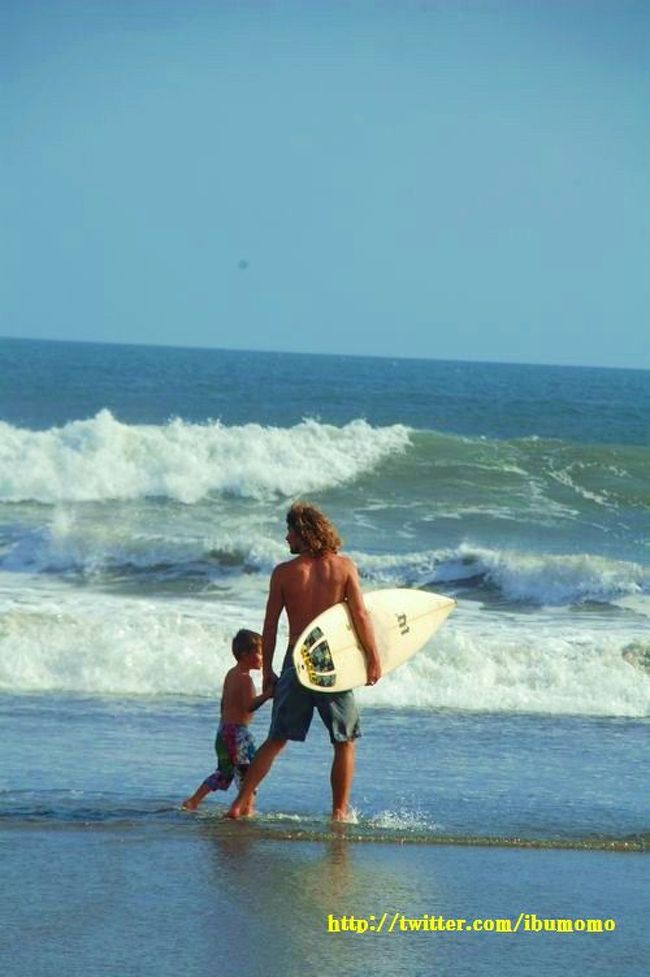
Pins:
x: 102, y: 459
x: 98, y: 550
x: 532, y: 578
x: 96, y: 644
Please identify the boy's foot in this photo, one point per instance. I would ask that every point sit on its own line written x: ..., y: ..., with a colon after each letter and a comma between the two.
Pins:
x: 191, y: 803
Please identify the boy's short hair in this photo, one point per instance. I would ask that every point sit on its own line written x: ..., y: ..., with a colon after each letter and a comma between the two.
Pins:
x: 244, y: 641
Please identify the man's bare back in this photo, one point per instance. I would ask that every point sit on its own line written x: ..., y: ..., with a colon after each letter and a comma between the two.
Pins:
x: 305, y: 587
x: 312, y: 584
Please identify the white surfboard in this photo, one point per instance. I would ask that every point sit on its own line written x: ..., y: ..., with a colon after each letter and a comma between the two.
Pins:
x: 328, y: 655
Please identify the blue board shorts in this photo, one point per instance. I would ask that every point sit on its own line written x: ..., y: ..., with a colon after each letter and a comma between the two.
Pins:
x: 293, y: 708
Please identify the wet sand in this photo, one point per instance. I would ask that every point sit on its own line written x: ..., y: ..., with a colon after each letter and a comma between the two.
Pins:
x: 201, y: 896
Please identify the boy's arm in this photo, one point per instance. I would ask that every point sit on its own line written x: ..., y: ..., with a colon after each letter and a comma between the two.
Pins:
x: 249, y: 701
x: 259, y: 700
x: 274, y: 607
x: 363, y: 625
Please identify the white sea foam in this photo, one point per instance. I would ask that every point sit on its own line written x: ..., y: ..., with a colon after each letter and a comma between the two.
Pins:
x: 58, y: 639
x: 536, y: 666
x: 563, y: 477
x: 402, y: 820
x: 103, y: 459
x: 70, y: 542
x: 97, y: 643
x: 537, y: 578
x: 556, y: 580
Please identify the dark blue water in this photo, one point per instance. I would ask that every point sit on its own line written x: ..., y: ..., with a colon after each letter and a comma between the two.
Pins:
x: 47, y: 383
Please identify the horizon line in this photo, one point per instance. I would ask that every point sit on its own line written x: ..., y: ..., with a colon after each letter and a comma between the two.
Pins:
x: 286, y: 352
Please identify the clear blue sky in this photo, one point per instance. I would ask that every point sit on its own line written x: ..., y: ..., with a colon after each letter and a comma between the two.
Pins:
x: 450, y: 179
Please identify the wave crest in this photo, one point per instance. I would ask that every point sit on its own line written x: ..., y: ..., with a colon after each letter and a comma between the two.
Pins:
x: 102, y: 459
x: 532, y: 578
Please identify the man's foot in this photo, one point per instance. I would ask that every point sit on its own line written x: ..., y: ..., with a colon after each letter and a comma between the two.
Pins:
x: 344, y: 817
x: 190, y: 804
x: 238, y: 810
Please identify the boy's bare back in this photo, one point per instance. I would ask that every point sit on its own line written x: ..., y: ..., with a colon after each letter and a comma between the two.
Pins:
x: 237, y: 696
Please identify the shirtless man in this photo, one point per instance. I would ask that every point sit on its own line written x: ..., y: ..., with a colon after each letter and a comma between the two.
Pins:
x: 314, y: 580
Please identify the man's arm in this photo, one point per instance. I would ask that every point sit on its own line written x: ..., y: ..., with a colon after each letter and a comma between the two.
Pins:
x: 363, y: 625
x: 274, y: 607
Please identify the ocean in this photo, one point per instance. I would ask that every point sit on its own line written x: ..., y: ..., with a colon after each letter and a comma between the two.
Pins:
x: 502, y: 771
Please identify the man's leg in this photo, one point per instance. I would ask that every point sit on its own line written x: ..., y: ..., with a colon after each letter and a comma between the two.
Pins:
x: 262, y: 763
x: 341, y: 779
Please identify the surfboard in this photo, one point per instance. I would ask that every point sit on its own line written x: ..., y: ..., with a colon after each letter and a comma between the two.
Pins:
x: 328, y: 656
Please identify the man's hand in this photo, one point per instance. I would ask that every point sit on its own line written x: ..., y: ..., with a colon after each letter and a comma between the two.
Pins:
x: 373, y: 668
x: 269, y: 681
x: 362, y: 624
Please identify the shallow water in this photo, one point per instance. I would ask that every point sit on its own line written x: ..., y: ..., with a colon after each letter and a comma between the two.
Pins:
x: 156, y: 900
x: 420, y: 777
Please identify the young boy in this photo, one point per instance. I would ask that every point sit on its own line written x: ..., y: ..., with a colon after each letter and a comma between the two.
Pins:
x: 234, y: 744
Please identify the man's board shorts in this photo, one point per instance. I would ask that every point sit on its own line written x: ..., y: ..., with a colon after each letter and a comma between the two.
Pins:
x: 293, y: 708
x: 235, y: 748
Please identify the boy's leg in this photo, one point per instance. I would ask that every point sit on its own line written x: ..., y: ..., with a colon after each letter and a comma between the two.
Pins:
x: 191, y: 803
x: 262, y: 763
x: 221, y: 779
x: 341, y: 779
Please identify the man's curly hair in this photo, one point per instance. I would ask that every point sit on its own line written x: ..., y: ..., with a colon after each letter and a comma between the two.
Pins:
x: 314, y: 528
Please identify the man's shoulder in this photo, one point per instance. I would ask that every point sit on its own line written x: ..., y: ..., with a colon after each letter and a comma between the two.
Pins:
x: 345, y: 562
x: 302, y: 563
x: 282, y: 568
x: 345, y: 558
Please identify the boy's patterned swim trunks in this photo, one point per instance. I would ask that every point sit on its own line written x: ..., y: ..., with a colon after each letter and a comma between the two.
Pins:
x: 235, y: 748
